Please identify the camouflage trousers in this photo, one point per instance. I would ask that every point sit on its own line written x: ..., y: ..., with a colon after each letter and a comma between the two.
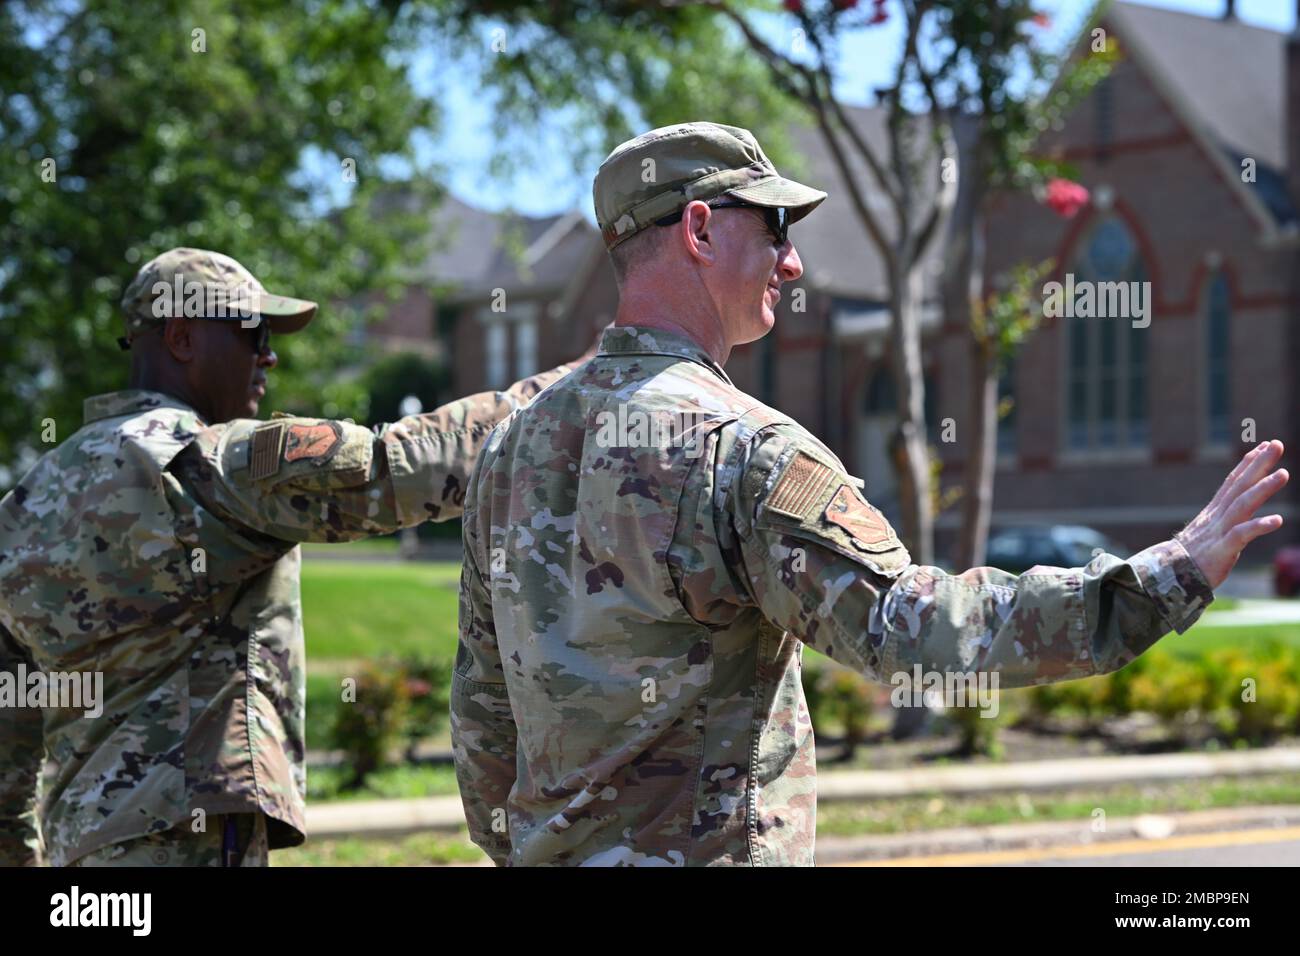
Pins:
x: 231, y: 839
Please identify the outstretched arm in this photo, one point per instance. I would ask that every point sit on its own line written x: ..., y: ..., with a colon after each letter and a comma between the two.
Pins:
x: 312, y: 479
x: 824, y: 564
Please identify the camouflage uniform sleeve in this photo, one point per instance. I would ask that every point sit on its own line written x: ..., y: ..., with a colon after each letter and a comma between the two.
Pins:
x: 823, y: 563
x: 311, y: 479
x: 483, y: 732
x: 22, y: 741
x: 484, y: 409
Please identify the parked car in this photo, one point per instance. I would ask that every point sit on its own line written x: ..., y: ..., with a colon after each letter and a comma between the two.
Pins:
x: 1061, y: 546
x: 1286, y: 572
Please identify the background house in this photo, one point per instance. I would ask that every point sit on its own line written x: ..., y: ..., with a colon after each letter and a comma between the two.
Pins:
x: 1126, y: 430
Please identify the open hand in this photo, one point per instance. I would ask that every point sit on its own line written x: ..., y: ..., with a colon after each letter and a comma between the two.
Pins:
x: 1216, y: 536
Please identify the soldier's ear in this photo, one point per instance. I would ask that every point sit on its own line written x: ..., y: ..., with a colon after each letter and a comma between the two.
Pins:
x: 178, y: 335
x: 698, y: 229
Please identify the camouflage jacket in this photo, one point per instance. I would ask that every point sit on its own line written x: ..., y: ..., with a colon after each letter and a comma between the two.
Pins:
x: 161, y: 553
x: 635, y: 601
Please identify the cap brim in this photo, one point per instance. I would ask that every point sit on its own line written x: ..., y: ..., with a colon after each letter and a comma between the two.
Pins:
x: 286, y: 314
x: 781, y: 192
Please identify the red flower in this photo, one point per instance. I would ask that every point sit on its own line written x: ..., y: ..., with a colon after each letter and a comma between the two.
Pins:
x: 417, y: 687
x: 879, y: 16
x: 1041, y: 20
x: 844, y: 4
x: 1066, y: 198
x: 794, y: 6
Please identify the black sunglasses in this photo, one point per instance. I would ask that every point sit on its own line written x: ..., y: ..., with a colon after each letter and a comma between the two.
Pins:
x: 778, y: 218
x: 260, y: 339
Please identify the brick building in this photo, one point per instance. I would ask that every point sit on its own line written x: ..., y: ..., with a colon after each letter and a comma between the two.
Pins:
x: 1128, y: 430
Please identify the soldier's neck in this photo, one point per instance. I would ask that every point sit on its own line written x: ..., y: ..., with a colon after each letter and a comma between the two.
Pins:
x: 648, y: 309
x: 154, y: 379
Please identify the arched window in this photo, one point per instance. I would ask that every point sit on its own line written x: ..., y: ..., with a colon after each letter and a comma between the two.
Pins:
x: 1218, y: 312
x: 1106, y: 357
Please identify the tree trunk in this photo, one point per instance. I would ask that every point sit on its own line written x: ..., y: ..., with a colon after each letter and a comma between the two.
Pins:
x: 977, y: 506
x: 911, y: 453
x: 963, y: 287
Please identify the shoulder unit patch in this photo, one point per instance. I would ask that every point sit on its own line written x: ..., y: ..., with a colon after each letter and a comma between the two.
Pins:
x: 317, y: 442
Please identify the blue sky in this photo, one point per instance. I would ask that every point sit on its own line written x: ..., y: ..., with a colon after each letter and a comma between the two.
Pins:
x: 549, y: 184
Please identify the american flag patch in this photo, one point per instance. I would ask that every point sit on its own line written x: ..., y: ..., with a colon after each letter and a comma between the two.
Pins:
x: 800, y: 486
x: 264, y: 454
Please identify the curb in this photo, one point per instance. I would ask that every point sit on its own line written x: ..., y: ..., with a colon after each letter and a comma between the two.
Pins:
x: 400, y: 817
x: 1019, y: 836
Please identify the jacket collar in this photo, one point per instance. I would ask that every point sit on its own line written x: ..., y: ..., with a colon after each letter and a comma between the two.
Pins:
x: 633, y: 340
x: 130, y: 401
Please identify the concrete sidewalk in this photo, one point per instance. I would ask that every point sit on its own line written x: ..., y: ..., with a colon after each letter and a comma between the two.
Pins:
x: 1254, y: 612
x: 397, y: 817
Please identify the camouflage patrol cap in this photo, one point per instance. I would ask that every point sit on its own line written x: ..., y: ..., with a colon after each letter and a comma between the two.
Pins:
x: 197, y: 283
x: 659, y: 172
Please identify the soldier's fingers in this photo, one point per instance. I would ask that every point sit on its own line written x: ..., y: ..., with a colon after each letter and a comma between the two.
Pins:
x: 1255, y: 469
x: 1233, y: 475
x: 1248, y: 531
x: 1248, y: 502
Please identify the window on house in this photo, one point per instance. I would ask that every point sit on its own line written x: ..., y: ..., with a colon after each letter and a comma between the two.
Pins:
x: 1106, y: 358
x: 445, y: 318
x: 1218, y: 310
x: 496, y: 354
x: 881, y: 396
x: 525, y: 348
x: 1006, y: 424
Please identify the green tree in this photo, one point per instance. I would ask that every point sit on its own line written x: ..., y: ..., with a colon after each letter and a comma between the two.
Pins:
x: 261, y: 128
x: 592, y: 63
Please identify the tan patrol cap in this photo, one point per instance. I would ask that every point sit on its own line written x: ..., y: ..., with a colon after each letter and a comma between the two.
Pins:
x: 197, y: 283
x: 659, y: 172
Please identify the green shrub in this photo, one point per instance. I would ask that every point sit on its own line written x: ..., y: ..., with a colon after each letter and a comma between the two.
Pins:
x: 1256, y: 694
x: 838, y: 699
x: 428, y: 684
x: 395, y: 702
x: 979, y: 734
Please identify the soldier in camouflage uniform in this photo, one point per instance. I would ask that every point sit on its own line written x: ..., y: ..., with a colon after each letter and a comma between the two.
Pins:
x: 158, y: 545
x: 647, y: 550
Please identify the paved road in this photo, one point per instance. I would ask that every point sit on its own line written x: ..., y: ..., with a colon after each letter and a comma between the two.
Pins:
x: 1258, y: 847
x: 1281, y: 853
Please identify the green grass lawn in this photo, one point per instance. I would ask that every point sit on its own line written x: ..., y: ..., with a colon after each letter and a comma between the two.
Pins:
x: 374, y: 609
x: 391, y: 783
x: 365, y: 610
x: 1201, y: 640
x: 421, y: 849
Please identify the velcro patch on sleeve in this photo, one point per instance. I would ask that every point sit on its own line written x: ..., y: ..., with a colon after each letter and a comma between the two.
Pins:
x: 800, y: 486
x: 266, y: 447
x: 316, y: 442
x: 865, y: 524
